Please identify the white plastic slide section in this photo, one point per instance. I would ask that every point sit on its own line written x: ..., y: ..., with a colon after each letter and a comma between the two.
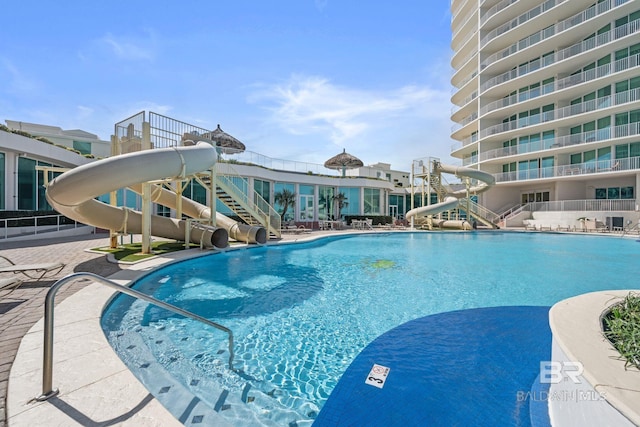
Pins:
x: 237, y: 230
x: 73, y: 193
x: 451, y: 201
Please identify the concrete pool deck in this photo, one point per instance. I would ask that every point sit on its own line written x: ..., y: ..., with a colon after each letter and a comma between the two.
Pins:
x: 95, y: 386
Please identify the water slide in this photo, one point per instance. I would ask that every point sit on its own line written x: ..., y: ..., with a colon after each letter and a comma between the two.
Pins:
x: 451, y: 200
x: 73, y: 193
x: 237, y: 230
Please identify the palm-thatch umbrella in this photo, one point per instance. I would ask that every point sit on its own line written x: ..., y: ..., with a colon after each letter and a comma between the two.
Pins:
x: 343, y: 161
x: 226, y: 142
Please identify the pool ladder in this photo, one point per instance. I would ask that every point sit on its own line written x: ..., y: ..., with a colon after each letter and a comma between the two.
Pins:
x: 49, y: 306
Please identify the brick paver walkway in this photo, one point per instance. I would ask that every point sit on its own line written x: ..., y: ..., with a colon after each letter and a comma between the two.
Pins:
x: 20, y: 309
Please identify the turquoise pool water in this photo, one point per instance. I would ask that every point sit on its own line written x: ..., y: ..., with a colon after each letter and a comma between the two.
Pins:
x: 301, y: 313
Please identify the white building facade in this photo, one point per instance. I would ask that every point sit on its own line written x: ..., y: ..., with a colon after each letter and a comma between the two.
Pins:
x: 547, y: 99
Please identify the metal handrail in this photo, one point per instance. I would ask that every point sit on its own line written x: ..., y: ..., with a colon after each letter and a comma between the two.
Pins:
x: 49, y: 306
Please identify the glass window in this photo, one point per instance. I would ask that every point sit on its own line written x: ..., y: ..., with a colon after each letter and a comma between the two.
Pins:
x: 82, y: 147
x: 351, y: 204
x: 278, y: 187
x: 2, y: 180
x: 325, y: 203
x: 263, y: 188
x: 195, y: 191
x: 622, y: 86
x: 547, y: 167
x: 634, y: 149
x: 27, y: 182
x: 613, y: 193
x: 601, y: 193
x: 371, y: 201
x: 622, y: 53
x: 604, y: 153
x: 626, y: 193
x: 622, y: 151
x: 589, y: 156
x: 576, y: 159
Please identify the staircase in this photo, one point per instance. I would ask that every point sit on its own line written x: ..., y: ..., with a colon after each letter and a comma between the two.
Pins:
x: 476, y: 211
x: 249, y: 206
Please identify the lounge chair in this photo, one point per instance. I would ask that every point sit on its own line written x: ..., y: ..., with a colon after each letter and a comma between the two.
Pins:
x: 32, y: 271
x: 8, y: 282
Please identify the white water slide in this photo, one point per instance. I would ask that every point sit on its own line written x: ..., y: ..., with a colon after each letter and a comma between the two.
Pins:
x: 73, y: 194
x: 452, y: 199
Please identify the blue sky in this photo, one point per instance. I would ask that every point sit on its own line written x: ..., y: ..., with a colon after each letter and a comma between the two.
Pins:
x: 292, y: 79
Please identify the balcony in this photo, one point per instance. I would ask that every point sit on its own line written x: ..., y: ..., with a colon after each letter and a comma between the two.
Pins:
x: 563, y: 141
x: 630, y: 96
x: 530, y: 14
x: 565, y: 83
x: 569, y: 52
x: 588, y: 168
x: 585, y: 15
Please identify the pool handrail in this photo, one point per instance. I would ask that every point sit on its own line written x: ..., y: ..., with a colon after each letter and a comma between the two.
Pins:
x: 49, y: 306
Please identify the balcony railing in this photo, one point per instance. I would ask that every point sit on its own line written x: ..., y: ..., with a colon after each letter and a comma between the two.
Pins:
x: 545, y: 33
x: 621, y: 98
x: 571, y: 51
x: 605, y: 205
x: 567, y: 82
x: 530, y: 14
x: 587, y: 168
x: 495, y: 9
x: 563, y: 141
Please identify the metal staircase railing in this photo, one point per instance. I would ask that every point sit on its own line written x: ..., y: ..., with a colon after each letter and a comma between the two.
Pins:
x: 251, y: 207
x: 49, y: 306
x: 480, y: 213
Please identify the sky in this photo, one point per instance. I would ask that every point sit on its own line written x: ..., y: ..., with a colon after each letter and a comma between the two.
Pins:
x: 292, y: 79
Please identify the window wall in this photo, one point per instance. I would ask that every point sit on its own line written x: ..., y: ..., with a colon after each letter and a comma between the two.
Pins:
x: 3, y: 171
x: 277, y: 188
x: 31, y: 189
x: 371, y: 201
x: 306, y: 202
x: 263, y: 188
x: 352, y: 199
x: 326, y: 209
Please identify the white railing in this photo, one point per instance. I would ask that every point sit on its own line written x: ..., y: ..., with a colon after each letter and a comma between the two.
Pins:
x: 34, y: 225
x: 495, y: 9
x: 567, y: 82
x: 545, y: 33
x: 513, y: 23
x: 592, y: 167
x: 605, y: 205
x: 619, y: 131
x: 629, y: 96
x: 571, y: 51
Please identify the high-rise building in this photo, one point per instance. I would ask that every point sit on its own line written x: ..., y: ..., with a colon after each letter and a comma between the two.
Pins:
x: 546, y: 97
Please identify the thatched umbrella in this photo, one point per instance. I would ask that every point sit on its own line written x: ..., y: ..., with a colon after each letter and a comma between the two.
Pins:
x: 343, y: 161
x: 226, y: 142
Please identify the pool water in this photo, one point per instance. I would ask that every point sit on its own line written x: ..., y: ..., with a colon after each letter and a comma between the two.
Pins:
x: 301, y: 313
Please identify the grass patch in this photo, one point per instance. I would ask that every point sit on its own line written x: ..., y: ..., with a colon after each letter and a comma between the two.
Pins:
x: 622, y: 328
x: 131, y: 252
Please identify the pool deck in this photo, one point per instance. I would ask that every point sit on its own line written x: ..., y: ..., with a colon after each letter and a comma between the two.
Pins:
x: 96, y: 388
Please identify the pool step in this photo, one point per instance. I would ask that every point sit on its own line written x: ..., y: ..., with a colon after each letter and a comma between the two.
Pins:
x: 204, y: 401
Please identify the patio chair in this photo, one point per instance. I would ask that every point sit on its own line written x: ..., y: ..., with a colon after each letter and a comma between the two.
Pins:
x: 32, y: 271
x: 9, y: 282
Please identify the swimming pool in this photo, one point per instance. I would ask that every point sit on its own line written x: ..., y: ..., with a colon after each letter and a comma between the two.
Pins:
x: 301, y: 313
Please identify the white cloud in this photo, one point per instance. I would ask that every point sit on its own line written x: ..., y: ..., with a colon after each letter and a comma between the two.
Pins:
x: 309, y: 105
x: 320, y: 118
x: 132, y: 49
